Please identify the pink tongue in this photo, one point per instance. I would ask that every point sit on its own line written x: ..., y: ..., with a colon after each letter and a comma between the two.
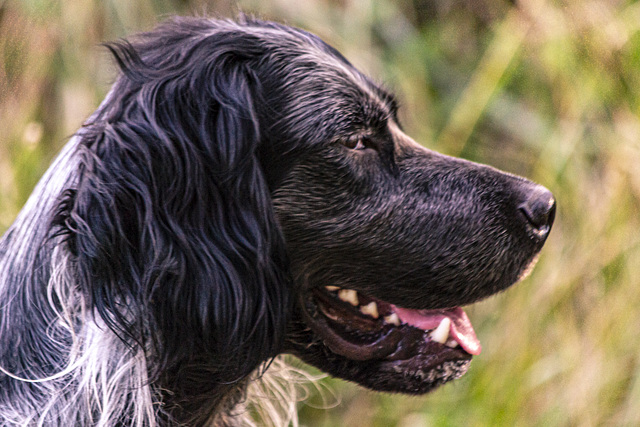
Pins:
x: 461, y: 328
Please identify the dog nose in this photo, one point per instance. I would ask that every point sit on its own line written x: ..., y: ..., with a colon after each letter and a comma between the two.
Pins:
x: 539, y: 210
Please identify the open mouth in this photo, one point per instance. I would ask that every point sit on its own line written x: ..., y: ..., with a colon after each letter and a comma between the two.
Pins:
x: 419, y: 349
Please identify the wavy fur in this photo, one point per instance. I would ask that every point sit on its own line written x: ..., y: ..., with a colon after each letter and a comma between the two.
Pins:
x: 147, y: 271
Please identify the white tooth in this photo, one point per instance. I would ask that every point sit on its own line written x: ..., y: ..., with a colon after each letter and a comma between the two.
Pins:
x: 441, y: 333
x: 451, y: 343
x: 392, y: 319
x: 371, y: 309
x: 348, y: 295
x: 332, y: 288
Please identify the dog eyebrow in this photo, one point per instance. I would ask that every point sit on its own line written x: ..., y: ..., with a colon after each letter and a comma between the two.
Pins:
x: 389, y: 100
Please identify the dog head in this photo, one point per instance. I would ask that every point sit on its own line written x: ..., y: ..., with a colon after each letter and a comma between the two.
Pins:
x: 276, y: 205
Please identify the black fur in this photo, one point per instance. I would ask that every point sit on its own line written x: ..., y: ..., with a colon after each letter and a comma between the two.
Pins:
x: 234, y: 169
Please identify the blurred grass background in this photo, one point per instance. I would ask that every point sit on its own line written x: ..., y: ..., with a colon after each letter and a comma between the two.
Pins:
x: 545, y: 89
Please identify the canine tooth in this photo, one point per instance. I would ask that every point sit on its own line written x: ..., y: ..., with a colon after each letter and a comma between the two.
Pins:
x: 332, y: 288
x: 371, y: 309
x: 441, y: 333
x: 451, y: 343
x: 348, y: 295
x: 392, y: 319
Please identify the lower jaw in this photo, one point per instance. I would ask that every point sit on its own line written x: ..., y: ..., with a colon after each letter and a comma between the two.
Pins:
x: 414, y: 376
x: 405, y: 362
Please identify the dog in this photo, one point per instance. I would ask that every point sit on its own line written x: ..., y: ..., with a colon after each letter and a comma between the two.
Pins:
x: 243, y: 192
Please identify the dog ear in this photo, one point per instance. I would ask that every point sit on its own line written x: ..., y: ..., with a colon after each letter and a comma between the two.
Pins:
x: 171, y: 225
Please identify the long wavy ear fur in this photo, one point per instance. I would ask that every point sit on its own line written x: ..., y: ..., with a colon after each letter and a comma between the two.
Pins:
x: 171, y: 227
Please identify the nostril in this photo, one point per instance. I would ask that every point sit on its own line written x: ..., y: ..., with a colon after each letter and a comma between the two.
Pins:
x: 539, y: 210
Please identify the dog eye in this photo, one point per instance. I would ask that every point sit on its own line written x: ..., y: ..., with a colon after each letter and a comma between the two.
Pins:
x: 356, y: 144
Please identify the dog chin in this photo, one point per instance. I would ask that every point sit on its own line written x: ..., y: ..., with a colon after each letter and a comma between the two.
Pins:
x: 382, y: 346
x: 529, y: 268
